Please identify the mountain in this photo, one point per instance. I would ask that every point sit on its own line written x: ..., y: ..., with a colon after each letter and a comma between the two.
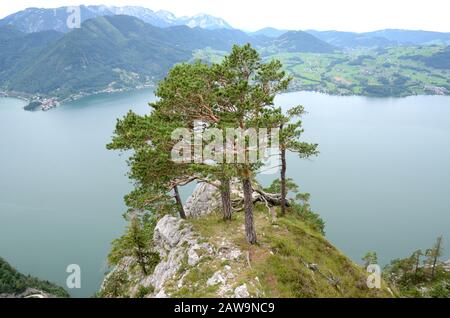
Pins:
x: 110, y: 52
x: 159, y: 19
x: 14, y: 284
x: 20, y: 51
x: 36, y: 19
x: 382, y: 38
x: 412, y: 37
x: 351, y: 39
x: 164, y: 18
x: 438, y: 60
x: 120, y: 52
x: 299, y: 41
x: 168, y: 17
x: 9, y: 32
x: 113, y: 51
x: 204, y: 21
x: 269, y: 32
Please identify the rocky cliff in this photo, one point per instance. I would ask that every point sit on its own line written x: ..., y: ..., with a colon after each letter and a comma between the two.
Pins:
x: 207, y: 257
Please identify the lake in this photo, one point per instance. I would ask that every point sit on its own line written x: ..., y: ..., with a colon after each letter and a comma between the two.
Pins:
x: 381, y: 181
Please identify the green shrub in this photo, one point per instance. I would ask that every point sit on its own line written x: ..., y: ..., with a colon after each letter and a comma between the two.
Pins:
x: 144, y: 291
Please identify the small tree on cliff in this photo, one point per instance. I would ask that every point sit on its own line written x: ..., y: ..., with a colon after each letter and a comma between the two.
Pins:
x: 433, y: 254
x: 137, y: 242
x: 290, y: 133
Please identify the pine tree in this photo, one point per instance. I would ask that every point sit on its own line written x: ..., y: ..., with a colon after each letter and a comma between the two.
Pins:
x: 238, y: 93
x: 434, y: 254
x: 188, y: 95
x: 290, y: 133
x: 151, y: 168
x: 139, y: 245
x: 246, y: 89
x: 137, y: 242
x: 416, y: 259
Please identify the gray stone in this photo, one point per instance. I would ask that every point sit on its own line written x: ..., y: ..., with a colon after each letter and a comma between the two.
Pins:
x: 203, y: 201
x: 217, y: 278
x: 180, y: 250
x: 241, y: 292
x: 161, y: 294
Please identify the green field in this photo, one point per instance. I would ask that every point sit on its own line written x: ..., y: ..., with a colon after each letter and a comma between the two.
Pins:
x: 397, y: 71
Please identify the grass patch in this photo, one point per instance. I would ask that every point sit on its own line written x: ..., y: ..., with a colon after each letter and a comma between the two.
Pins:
x: 279, y: 263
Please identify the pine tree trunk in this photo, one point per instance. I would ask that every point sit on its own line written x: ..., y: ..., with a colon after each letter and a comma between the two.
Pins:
x: 436, y: 256
x: 433, y: 270
x: 417, y: 266
x: 225, y: 192
x: 179, y: 203
x: 248, y: 206
x: 140, y: 255
x: 141, y: 261
x: 283, y: 181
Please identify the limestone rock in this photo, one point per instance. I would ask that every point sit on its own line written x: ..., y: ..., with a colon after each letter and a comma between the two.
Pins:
x: 161, y: 294
x: 217, y: 278
x: 183, y: 252
x: 241, y: 292
x: 174, y: 240
x: 203, y: 201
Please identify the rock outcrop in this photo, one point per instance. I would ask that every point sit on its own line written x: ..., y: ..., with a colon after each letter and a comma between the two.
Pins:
x: 204, y: 256
x: 176, y: 243
x: 182, y: 253
x: 204, y: 200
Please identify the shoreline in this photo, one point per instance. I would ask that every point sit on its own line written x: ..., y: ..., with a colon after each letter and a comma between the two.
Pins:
x: 46, y: 103
x: 55, y: 102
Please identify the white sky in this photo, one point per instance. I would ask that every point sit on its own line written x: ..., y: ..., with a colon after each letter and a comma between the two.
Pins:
x: 343, y: 15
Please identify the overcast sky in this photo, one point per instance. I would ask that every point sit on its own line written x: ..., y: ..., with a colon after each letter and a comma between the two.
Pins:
x: 344, y: 15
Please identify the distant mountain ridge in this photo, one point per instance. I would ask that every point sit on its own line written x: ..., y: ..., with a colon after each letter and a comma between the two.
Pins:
x: 416, y: 37
x: 108, y: 52
x: 114, y: 52
x: 270, y: 32
x: 36, y: 19
x: 299, y: 41
x: 381, y: 38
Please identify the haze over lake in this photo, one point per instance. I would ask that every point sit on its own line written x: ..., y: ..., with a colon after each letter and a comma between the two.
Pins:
x: 381, y: 181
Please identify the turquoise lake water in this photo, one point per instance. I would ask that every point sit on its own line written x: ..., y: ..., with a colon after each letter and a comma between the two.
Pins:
x: 382, y: 181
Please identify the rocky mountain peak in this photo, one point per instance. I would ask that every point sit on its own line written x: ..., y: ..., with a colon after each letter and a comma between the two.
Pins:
x: 204, y: 256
